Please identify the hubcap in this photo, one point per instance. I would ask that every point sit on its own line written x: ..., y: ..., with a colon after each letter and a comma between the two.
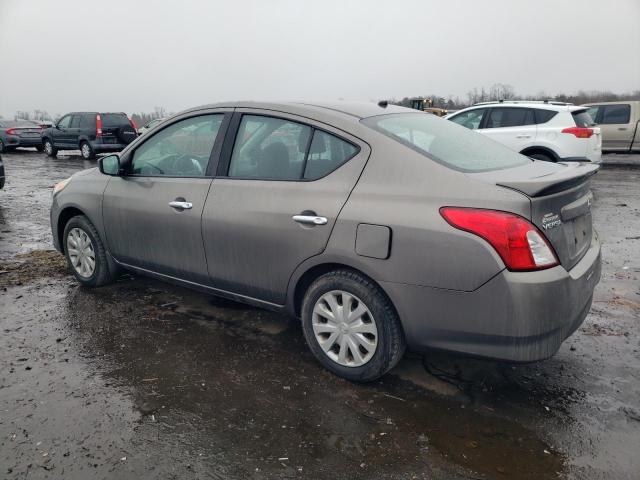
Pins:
x: 47, y: 147
x: 344, y: 328
x: 81, y: 252
x: 85, y: 151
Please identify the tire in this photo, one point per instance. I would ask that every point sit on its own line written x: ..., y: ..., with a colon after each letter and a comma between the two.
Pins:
x: 76, y: 232
x: 86, y: 151
x: 49, y: 149
x: 542, y: 156
x: 3, y: 149
x: 388, y: 337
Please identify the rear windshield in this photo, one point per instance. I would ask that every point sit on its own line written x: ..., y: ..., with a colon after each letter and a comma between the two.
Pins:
x: 582, y: 118
x: 446, y: 142
x: 114, y: 119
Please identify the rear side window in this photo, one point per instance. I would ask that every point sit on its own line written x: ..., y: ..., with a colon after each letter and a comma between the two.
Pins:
x: 543, y: 116
x: 269, y: 148
x: 615, y: 114
x: 75, y: 121
x: 446, y: 143
x: 114, y: 119
x: 88, y: 121
x: 326, y: 153
x: 509, y: 117
x: 470, y: 119
x: 582, y: 118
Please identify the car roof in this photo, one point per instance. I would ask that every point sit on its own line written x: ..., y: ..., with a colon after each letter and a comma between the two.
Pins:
x: 354, y: 111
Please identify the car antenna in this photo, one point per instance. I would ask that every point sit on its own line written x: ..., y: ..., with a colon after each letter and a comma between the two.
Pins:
x: 383, y: 103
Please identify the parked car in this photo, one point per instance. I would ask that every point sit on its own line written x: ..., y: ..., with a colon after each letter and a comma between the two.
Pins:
x: 379, y: 226
x: 152, y: 124
x: 619, y: 123
x: 19, y: 133
x: 1, y: 173
x: 90, y: 132
x: 550, y: 131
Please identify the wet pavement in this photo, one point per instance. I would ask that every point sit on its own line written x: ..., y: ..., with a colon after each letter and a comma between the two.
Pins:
x: 145, y: 380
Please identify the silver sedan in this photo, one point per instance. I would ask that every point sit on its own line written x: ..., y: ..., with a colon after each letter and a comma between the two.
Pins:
x: 380, y: 227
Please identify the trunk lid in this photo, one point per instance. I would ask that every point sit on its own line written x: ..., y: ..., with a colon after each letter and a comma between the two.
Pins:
x: 561, y: 199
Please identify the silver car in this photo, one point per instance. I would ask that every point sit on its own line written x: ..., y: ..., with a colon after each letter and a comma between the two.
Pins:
x: 380, y: 227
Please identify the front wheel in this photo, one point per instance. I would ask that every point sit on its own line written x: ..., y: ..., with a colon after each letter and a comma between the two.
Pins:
x: 86, y: 255
x: 49, y: 149
x: 351, y: 326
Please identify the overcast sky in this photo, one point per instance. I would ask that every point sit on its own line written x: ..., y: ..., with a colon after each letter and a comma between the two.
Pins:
x: 130, y: 56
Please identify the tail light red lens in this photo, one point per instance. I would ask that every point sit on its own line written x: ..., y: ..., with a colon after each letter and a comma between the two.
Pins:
x: 519, y: 243
x: 580, y: 132
x: 11, y: 131
x: 98, y: 126
x: 133, y: 124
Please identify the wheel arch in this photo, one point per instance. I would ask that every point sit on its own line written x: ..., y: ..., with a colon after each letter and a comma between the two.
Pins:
x: 304, y: 277
x: 64, y: 216
x: 539, y: 149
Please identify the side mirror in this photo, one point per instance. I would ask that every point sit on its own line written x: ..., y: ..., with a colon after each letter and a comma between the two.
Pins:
x: 110, y: 165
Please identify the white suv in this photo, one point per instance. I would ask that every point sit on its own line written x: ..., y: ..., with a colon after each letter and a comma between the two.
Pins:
x: 550, y: 131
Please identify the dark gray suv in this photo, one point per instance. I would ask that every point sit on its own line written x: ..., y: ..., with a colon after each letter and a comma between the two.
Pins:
x: 89, y: 132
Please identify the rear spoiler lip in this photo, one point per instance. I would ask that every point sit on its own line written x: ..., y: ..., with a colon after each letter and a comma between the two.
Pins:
x: 554, y: 183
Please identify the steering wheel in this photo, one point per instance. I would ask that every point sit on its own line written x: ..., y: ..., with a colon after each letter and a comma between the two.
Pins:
x: 187, y: 165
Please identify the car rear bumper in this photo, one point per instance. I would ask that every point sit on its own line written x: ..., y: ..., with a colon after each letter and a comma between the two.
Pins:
x: 107, y: 147
x: 515, y: 316
x: 15, y: 141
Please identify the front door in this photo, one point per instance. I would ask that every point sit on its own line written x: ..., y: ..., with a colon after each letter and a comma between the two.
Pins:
x: 61, y: 133
x: 275, y: 200
x: 615, y: 125
x: 152, y: 215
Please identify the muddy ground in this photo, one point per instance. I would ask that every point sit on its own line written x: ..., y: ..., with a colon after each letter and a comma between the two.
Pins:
x: 146, y: 380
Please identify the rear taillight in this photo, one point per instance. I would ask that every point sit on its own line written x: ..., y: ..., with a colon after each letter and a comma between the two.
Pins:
x: 133, y: 124
x: 580, y: 132
x: 98, y: 126
x: 519, y: 243
x: 11, y: 131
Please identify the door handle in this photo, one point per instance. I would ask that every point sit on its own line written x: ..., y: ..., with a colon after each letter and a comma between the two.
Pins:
x: 523, y: 136
x: 181, y: 205
x: 622, y: 128
x: 310, y: 220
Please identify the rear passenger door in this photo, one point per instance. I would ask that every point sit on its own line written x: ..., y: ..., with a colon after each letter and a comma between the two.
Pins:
x: 515, y: 127
x: 282, y: 183
x: 74, y: 129
x: 615, y: 125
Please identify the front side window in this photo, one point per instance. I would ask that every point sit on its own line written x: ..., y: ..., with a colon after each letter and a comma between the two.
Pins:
x: 446, y: 143
x: 509, y: 117
x: 470, y: 119
x: 180, y: 150
x: 64, y: 122
x: 615, y: 114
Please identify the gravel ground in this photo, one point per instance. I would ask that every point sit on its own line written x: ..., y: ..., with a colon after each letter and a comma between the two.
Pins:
x: 143, y: 379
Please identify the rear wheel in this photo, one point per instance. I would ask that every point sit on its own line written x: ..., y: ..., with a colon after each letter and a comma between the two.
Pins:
x: 542, y: 156
x: 49, y: 149
x: 3, y: 148
x: 86, y: 151
x: 86, y: 255
x: 351, y: 326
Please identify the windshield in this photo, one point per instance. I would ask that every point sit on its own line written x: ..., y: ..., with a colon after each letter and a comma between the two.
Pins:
x: 446, y: 142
